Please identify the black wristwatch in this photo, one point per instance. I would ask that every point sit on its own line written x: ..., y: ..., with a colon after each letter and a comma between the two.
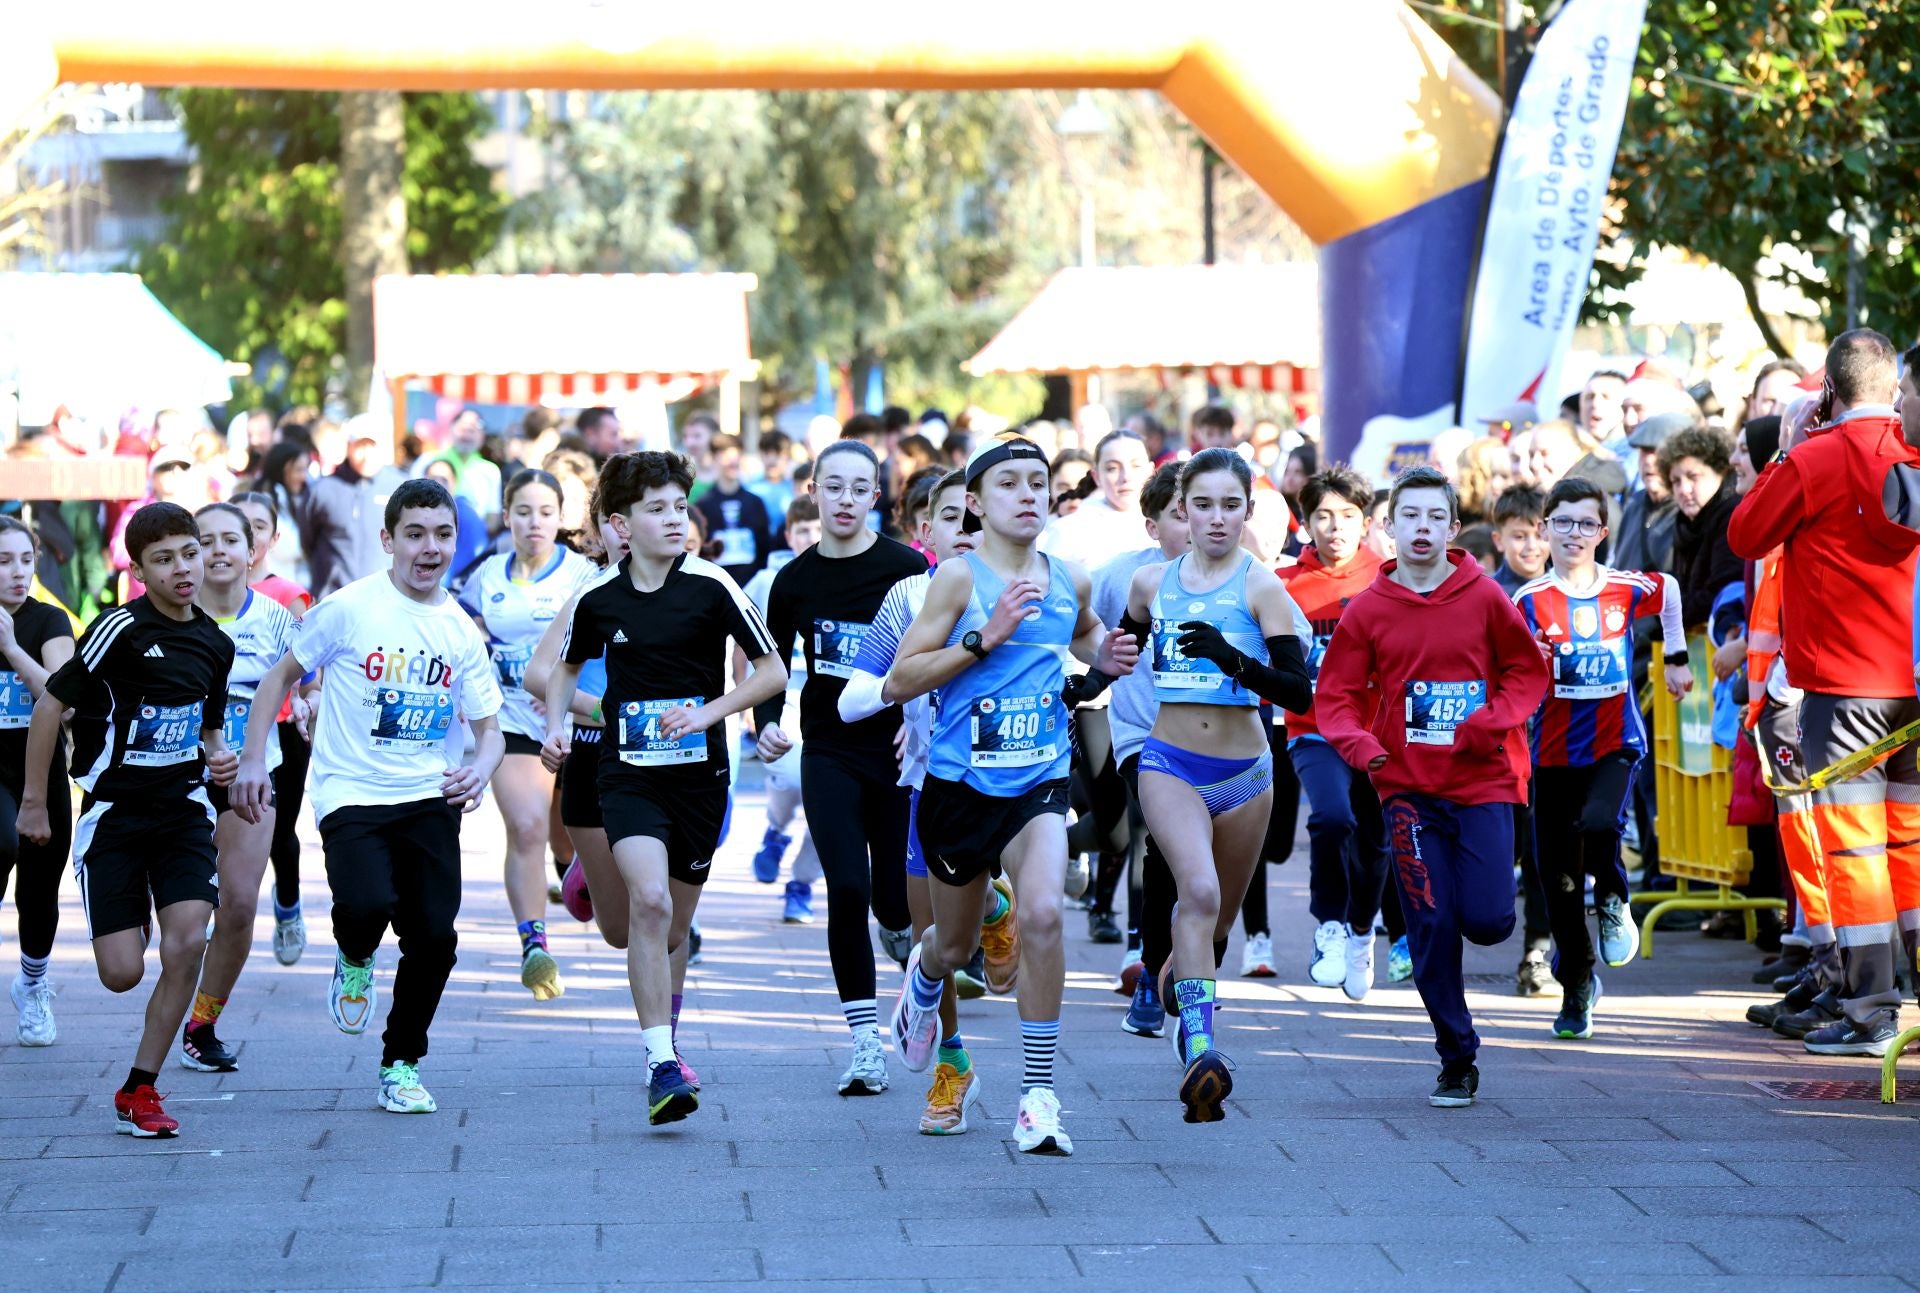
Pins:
x: 1677, y: 657
x: 971, y: 641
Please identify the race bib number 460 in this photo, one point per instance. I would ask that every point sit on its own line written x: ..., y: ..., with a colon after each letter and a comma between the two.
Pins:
x: 408, y: 718
x: 644, y: 745
x: 164, y: 735
x: 1014, y: 731
x: 1435, y: 710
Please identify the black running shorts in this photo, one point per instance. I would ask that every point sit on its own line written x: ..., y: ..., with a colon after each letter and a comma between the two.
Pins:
x: 685, y: 819
x: 963, y: 832
x: 580, y: 781
x: 132, y: 857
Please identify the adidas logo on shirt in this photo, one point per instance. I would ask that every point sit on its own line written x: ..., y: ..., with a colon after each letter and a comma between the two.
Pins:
x: 155, y: 653
x: 620, y: 636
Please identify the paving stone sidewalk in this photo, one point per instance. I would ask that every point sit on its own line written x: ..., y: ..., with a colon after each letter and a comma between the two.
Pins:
x: 1646, y: 1158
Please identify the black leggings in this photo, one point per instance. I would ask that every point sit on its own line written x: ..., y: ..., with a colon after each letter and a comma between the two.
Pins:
x: 857, y: 815
x: 36, y: 892
x: 1577, y: 817
x: 289, y: 788
x: 1281, y: 827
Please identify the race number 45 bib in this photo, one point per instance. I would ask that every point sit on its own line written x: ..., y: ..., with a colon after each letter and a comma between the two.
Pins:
x: 1590, y: 670
x: 643, y: 745
x: 164, y: 735
x: 16, y: 702
x: 1172, y: 669
x: 1014, y: 731
x: 411, y: 719
x: 835, y: 644
x: 1435, y: 710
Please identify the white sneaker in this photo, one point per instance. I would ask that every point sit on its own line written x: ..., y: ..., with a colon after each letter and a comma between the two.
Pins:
x: 1359, y: 966
x: 1037, y: 1130
x: 1079, y: 876
x: 1329, y: 964
x: 289, y: 939
x: 867, y: 1075
x: 914, y: 1025
x: 1256, y: 961
x: 351, y: 998
x: 401, y: 1092
x: 35, y: 1003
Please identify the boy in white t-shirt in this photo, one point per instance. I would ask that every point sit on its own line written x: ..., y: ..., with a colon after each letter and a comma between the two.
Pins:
x: 402, y: 661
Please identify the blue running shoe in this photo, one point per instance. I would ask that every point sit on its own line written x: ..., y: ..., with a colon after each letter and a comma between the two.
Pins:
x: 799, y: 905
x: 1575, y: 1020
x: 1205, y: 1086
x: 1399, y: 961
x: 766, y: 863
x: 669, y: 1096
x: 1146, y: 1016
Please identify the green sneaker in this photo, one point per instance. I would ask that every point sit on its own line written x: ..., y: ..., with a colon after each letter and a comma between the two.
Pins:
x: 401, y: 1092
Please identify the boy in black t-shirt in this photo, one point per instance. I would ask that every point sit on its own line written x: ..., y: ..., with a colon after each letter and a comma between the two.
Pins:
x: 663, y: 621
x: 148, y: 688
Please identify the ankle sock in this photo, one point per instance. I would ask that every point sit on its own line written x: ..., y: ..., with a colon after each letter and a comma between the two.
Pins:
x: 861, y: 1014
x: 206, y: 1009
x: 137, y: 1078
x: 659, y: 1043
x: 926, y: 992
x: 33, y: 968
x: 1038, y: 1042
x: 533, y: 933
x: 997, y: 912
x: 286, y: 913
x: 1194, y: 999
x: 954, y: 1051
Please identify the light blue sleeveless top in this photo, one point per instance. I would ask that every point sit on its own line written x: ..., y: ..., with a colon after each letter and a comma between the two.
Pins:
x: 1178, y: 680
x: 1000, y: 725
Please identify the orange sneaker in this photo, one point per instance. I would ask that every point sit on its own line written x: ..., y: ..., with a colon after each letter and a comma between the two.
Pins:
x: 140, y: 1114
x: 951, y: 1095
x: 1000, y: 944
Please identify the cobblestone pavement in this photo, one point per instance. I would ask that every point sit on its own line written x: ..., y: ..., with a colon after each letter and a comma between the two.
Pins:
x: 1646, y: 1158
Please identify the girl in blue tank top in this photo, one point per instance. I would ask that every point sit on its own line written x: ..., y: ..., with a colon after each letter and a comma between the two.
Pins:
x: 1221, y: 633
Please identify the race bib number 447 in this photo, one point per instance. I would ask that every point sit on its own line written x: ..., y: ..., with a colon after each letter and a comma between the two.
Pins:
x: 1435, y: 710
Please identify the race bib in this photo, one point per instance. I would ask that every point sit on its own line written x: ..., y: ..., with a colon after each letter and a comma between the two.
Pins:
x: 1175, y: 671
x: 1316, y: 655
x: 641, y: 742
x: 164, y: 735
x: 411, y: 719
x: 1590, y: 670
x: 1435, y: 710
x: 16, y: 702
x: 510, y: 664
x: 737, y: 546
x: 835, y: 644
x: 235, y: 725
x: 1014, y: 731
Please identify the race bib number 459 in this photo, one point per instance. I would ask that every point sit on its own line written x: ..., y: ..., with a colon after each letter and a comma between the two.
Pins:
x: 163, y: 735
x: 1435, y: 710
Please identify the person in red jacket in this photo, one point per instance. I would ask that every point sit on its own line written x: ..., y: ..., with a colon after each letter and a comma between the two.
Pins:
x: 1347, y: 854
x: 1428, y: 684
x: 1847, y: 617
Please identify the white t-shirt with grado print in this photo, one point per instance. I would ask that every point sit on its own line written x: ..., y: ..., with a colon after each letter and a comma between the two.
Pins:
x: 398, y: 675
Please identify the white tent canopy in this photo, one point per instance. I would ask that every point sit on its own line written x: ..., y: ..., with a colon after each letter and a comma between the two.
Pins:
x: 100, y: 344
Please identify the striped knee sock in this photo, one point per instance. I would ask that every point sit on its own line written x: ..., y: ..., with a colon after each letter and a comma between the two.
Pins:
x: 862, y: 1016
x: 1038, y: 1041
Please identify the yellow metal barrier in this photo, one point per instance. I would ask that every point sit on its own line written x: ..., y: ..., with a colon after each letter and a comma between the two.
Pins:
x: 1693, y: 782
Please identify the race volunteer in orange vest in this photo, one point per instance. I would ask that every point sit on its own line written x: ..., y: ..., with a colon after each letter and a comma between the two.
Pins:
x: 1847, y: 625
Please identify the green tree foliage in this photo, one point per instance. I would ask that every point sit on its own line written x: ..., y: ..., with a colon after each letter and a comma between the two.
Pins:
x: 251, y: 257
x: 1759, y: 127
x: 895, y: 228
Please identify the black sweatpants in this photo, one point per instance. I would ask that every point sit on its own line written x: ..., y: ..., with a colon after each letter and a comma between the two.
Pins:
x: 398, y: 865
x: 858, y: 816
x: 289, y: 790
x: 35, y: 869
x: 1282, y: 823
x: 1577, y: 819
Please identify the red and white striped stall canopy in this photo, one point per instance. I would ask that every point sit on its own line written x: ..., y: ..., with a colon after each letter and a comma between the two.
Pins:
x: 562, y: 339
x: 1256, y: 327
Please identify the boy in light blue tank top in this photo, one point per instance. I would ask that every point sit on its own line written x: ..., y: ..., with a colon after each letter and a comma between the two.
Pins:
x: 991, y: 642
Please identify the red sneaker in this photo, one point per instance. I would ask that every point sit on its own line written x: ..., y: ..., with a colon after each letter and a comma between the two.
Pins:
x: 140, y: 1113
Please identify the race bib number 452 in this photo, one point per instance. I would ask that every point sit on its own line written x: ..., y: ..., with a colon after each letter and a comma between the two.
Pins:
x: 1435, y: 710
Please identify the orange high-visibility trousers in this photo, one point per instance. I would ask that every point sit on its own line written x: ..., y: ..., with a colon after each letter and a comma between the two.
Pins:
x: 1778, y: 727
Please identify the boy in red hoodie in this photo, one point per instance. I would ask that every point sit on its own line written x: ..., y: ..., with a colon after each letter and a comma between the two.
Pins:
x: 1346, y: 842
x: 1457, y: 674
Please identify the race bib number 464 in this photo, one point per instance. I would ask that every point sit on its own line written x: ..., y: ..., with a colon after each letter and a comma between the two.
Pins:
x: 1435, y: 710
x: 408, y: 718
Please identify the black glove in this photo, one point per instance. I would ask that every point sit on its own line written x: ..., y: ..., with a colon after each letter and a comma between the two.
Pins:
x: 1200, y: 640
